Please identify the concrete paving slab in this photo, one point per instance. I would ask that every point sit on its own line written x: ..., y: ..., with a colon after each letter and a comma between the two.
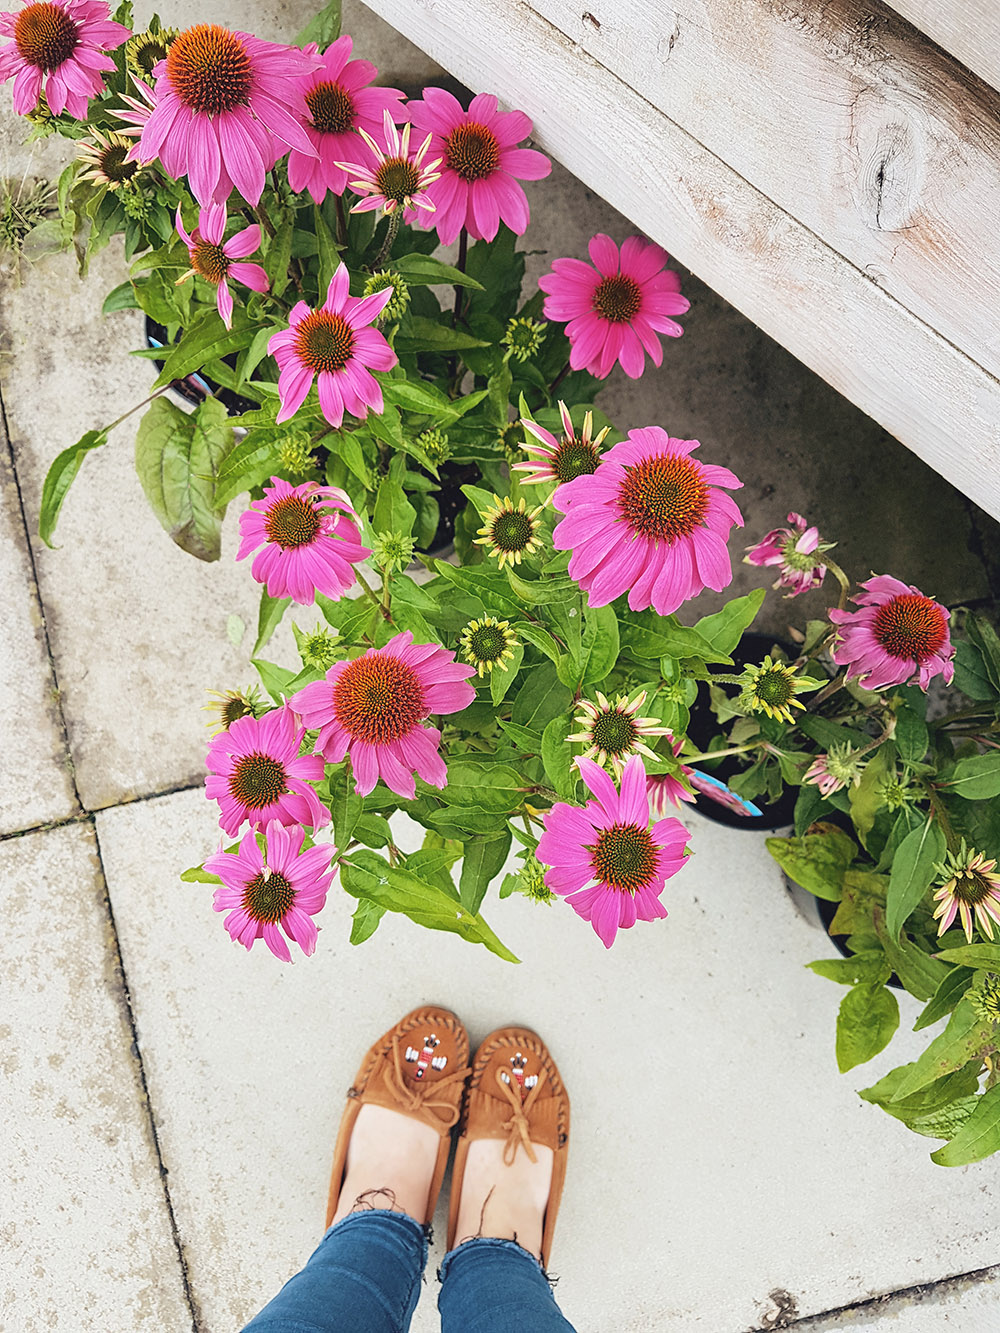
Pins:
x: 86, y: 1235
x: 35, y: 785
x: 741, y: 1164
x: 964, y: 1306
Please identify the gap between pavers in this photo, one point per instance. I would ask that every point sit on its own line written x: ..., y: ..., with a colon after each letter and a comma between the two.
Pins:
x: 35, y: 782
x: 716, y: 1154
x: 965, y: 1305
x: 85, y: 1229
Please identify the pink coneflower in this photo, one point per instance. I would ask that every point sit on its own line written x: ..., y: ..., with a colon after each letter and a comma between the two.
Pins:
x: 373, y: 708
x: 664, y: 790
x: 897, y: 636
x: 564, y: 459
x: 280, y: 891
x: 971, y: 891
x: 64, y: 43
x: 217, y: 260
x: 615, y: 309
x: 605, y: 860
x: 339, y: 102
x: 481, y: 165
x: 257, y: 774
x: 651, y: 522
x: 335, y: 343
x: 836, y: 769
x: 311, y: 541
x: 794, y: 550
x: 396, y: 178
x: 227, y: 107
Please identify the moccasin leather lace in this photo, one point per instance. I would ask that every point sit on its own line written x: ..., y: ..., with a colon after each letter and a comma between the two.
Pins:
x: 416, y: 1100
x: 518, y: 1127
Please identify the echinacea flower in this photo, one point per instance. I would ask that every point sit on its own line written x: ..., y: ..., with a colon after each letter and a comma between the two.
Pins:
x: 613, y: 732
x: 480, y: 165
x: 985, y: 998
x: 108, y: 160
x: 339, y: 103
x: 373, y: 709
x: 797, y: 551
x: 604, y: 858
x: 396, y: 178
x: 897, y: 637
x: 145, y: 50
x: 564, y: 459
x: 510, y: 533
x: 218, y: 260
x: 666, y: 791
x: 971, y: 891
x: 278, y: 889
x: 772, y: 688
x: 836, y: 769
x: 257, y: 774
x: 336, y: 346
x: 615, y: 310
x: 523, y: 337
x: 651, y: 521
x: 386, y: 280
x: 488, y: 643
x: 64, y: 43
x: 227, y: 107
x: 228, y: 706
x: 311, y: 540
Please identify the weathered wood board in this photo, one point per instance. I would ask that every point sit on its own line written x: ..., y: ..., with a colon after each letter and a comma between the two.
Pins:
x: 968, y: 29
x: 787, y: 158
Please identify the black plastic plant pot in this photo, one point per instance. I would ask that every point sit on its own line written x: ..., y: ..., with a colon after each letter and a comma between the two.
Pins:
x: 195, y: 388
x: 714, y: 798
x: 827, y: 911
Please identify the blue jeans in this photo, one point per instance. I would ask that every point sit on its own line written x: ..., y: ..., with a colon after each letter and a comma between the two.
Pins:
x: 365, y: 1277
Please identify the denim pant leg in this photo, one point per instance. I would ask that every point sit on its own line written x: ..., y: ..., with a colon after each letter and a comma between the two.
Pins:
x: 363, y: 1277
x: 494, y: 1286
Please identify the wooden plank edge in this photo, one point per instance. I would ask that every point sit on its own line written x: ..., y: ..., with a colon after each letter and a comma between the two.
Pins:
x: 928, y: 394
x: 969, y: 30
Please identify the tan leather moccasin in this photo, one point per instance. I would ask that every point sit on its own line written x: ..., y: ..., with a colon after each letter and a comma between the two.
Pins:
x: 516, y: 1094
x: 419, y: 1067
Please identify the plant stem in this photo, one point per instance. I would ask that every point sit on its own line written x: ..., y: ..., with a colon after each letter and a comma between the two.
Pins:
x: 841, y: 578
x: 341, y: 221
x: 559, y: 379
x: 463, y: 251
x: 125, y: 415
x: 720, y: 754
x: 373, y: 596
x: 827, y: 690
x: 264, y: 220
x: 941, y: 814
x: 390, y: 237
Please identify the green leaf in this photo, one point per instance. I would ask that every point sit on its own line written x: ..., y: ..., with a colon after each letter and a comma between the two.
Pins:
x: 870, y: 968
x: 725, y: 629
x: 199, y: 875
x: 393, y: 511
x: 502, y: 680
x: 557, y: 756
x: 491, y: 589
x: 911, y: 736
x: 329, y: 255
x: 965, y: 1038
x: 817, y: 861
x: 488, y: 786
x: 418, y: 333
x: 177, y: 455
x: 867, y: 797
x: 944, y: 999
x: 523, y: 737
x: 323, y: 28
x: 919, y: 973
x: 646, y: 634
x: 275, y: 679
x: 272, y: 609
x: 971, y: 674
x: 207, y: 339
x: 599, y: 648
x: 277, y: 261
x: 365, y: 920
x: 249, y: 463
x: 483, y: 860
x: 978, y: 1137
x: 59, y: 479
x: 425, y: 271
x: 984, y: 636
x: 977, y: 778
x: 395, y: 889
x: 539, y: 637
x: 974, y: 955
x: 868, y: 1017
x: 939, y: 1110
x: 912, y: 871
x: 541, y: 698
x: 121, y: 297
x: 414, y: 396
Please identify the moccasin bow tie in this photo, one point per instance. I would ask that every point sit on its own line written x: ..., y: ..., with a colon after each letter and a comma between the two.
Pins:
x: 518, y: 1127
x: 415, y: 1098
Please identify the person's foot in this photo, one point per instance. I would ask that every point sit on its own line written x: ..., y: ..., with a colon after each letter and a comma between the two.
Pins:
x: 504, y: 1201
x: 390, y: 1163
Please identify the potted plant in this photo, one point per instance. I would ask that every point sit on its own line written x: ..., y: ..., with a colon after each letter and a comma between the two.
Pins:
x: 280, y: 213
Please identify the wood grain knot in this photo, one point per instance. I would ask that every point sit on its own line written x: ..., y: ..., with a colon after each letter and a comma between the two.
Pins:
x: 889, y: 161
